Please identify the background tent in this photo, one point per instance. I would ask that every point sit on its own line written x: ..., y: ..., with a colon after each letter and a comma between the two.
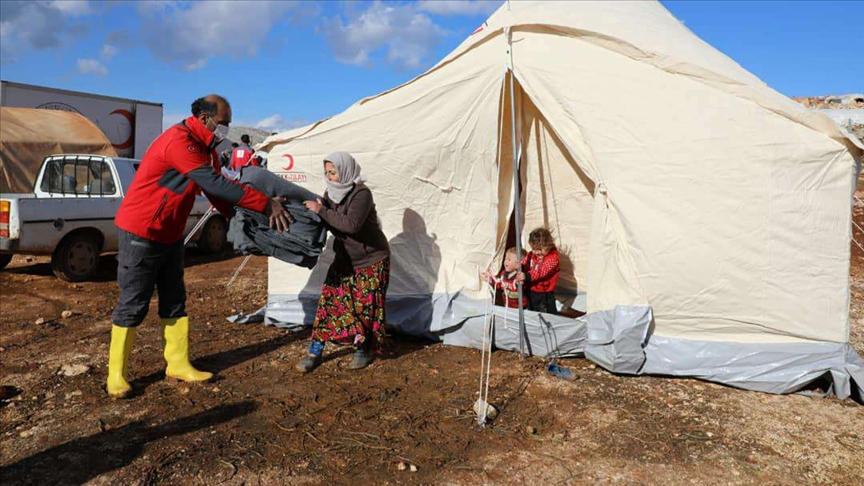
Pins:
x: 28, y: 135
x: 704, y: 217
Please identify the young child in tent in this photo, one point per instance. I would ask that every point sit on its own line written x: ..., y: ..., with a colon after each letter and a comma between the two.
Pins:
x: 505, y: 281
x: 541, y: 269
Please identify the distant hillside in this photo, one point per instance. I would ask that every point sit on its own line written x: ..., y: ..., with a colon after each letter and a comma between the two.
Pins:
x: 846, y: 110
x: 256, y: 134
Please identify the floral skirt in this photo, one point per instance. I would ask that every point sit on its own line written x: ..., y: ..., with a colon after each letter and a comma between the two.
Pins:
x: 351, y: 308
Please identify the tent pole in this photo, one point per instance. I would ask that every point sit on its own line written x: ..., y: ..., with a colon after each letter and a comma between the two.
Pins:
x: 517, y: 211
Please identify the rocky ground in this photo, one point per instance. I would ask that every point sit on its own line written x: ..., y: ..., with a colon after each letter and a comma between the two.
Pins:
x: 260, y: 423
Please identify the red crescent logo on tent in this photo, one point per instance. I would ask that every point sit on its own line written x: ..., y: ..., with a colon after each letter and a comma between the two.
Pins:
x: 290, y: 162
x: 131, y: 118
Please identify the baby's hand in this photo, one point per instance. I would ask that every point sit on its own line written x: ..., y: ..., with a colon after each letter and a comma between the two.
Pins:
x: 520, y: 277
x: 485, y: 275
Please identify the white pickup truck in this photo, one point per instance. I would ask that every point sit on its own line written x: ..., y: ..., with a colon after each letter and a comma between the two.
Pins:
x: 70, y: 215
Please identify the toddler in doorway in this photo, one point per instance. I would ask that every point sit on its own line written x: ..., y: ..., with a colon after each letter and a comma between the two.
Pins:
x: 541, y: 269
x: 505, y: 281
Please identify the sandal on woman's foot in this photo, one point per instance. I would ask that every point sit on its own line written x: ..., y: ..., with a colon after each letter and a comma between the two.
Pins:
x: 362, y: 359
x: 308, y: 363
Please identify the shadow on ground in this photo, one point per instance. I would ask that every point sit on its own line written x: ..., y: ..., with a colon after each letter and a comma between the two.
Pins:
x: 85, y: 458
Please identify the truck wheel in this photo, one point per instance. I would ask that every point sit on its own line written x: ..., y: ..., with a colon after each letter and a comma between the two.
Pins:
x: 214, y: 235
x: 76, y: 257
x: 4, y: 260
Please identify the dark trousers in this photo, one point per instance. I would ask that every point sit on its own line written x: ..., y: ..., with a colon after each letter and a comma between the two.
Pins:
x: 542, y: 302
x: 142, y: 266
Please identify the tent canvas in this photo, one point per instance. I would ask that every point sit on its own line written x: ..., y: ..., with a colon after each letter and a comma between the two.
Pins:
x: 28, y: 135
x: 703, y: 218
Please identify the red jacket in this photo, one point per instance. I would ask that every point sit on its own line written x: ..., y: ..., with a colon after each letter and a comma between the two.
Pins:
x: 508, y: 286
x: 241, y: 157
x: 177, y: 166
x: 542, y: 273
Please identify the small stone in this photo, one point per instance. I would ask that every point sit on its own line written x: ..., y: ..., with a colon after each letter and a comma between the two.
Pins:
x: 184, y: 390
x: 73, y: 369
x: 28, y: 433
x: 66, y: 314
x: 401, y: 466
x: 530, y: 430
x: 413, y: 468
x: 593, y: 367
x: 709, y: 434
x: 216, y: 390
x: 40, y: 321
x: 76, y: 393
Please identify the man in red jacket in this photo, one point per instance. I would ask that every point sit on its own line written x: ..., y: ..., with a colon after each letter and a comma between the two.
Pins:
x: 243, y: 154
x: 177, y: 166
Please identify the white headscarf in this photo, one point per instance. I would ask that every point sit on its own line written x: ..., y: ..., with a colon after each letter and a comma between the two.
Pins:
x: 349, y: 175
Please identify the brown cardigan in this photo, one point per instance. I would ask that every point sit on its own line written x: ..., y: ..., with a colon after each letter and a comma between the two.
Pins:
x: 359, y: 240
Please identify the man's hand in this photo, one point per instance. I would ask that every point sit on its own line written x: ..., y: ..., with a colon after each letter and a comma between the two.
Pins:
x: 314, y: 206
x: 280, y: 219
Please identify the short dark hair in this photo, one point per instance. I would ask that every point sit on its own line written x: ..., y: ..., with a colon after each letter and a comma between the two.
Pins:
x: 202, y: 105
x: 235, y: 144
x: 245, y: 139
x: 541, y: 238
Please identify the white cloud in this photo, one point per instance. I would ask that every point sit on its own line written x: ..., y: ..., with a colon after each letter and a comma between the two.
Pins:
x: 108, y: 52
x: 275, y: 123
x: 91, y: 66
x: 189, y: 34
x: 408, y: 35
x: 459, y: 7
x: 28, y: 25
x: 74, y: 8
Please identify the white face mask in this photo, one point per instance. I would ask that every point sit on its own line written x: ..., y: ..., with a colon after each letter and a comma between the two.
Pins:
x: 221, y: 131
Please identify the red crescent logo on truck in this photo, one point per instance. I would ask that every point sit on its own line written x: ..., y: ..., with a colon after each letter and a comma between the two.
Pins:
x: 131, y: 118
x: 290, y: 162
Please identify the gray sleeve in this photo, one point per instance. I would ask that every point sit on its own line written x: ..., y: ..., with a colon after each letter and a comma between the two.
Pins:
x: 216, y: 185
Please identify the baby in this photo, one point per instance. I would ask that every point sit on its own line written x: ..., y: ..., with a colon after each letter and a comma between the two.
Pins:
x: 505, y: 281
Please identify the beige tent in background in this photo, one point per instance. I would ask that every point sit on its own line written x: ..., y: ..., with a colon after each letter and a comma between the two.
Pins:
x: 705, y: 219
x: 28, y: 135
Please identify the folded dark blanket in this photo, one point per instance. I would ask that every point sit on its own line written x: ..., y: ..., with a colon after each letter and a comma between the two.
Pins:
x: 250, y: 231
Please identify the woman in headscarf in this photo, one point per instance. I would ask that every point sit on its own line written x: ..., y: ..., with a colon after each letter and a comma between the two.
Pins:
x: 351, y: 307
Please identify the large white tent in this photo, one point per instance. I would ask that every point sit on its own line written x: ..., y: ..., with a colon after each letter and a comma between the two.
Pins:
x: 704, y: 219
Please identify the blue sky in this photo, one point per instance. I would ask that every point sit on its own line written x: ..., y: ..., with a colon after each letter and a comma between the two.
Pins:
x: 284, y: 64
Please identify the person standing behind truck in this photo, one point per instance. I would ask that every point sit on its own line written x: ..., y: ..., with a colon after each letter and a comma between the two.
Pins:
x: 177, y: 165
x: 243, y: 154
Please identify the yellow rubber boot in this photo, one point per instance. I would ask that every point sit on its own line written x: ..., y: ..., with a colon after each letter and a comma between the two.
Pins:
x: 118, y: 359
x: 176, y: 332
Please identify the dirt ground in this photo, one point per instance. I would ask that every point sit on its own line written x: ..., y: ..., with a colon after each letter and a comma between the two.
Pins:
x: 261, y: 423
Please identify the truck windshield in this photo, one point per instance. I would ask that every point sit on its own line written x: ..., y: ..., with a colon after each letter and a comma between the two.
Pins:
x: 77, y: 175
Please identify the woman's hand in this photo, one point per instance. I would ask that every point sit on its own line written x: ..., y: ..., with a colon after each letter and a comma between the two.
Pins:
x: 314, y: 206
x: 485, y: 275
